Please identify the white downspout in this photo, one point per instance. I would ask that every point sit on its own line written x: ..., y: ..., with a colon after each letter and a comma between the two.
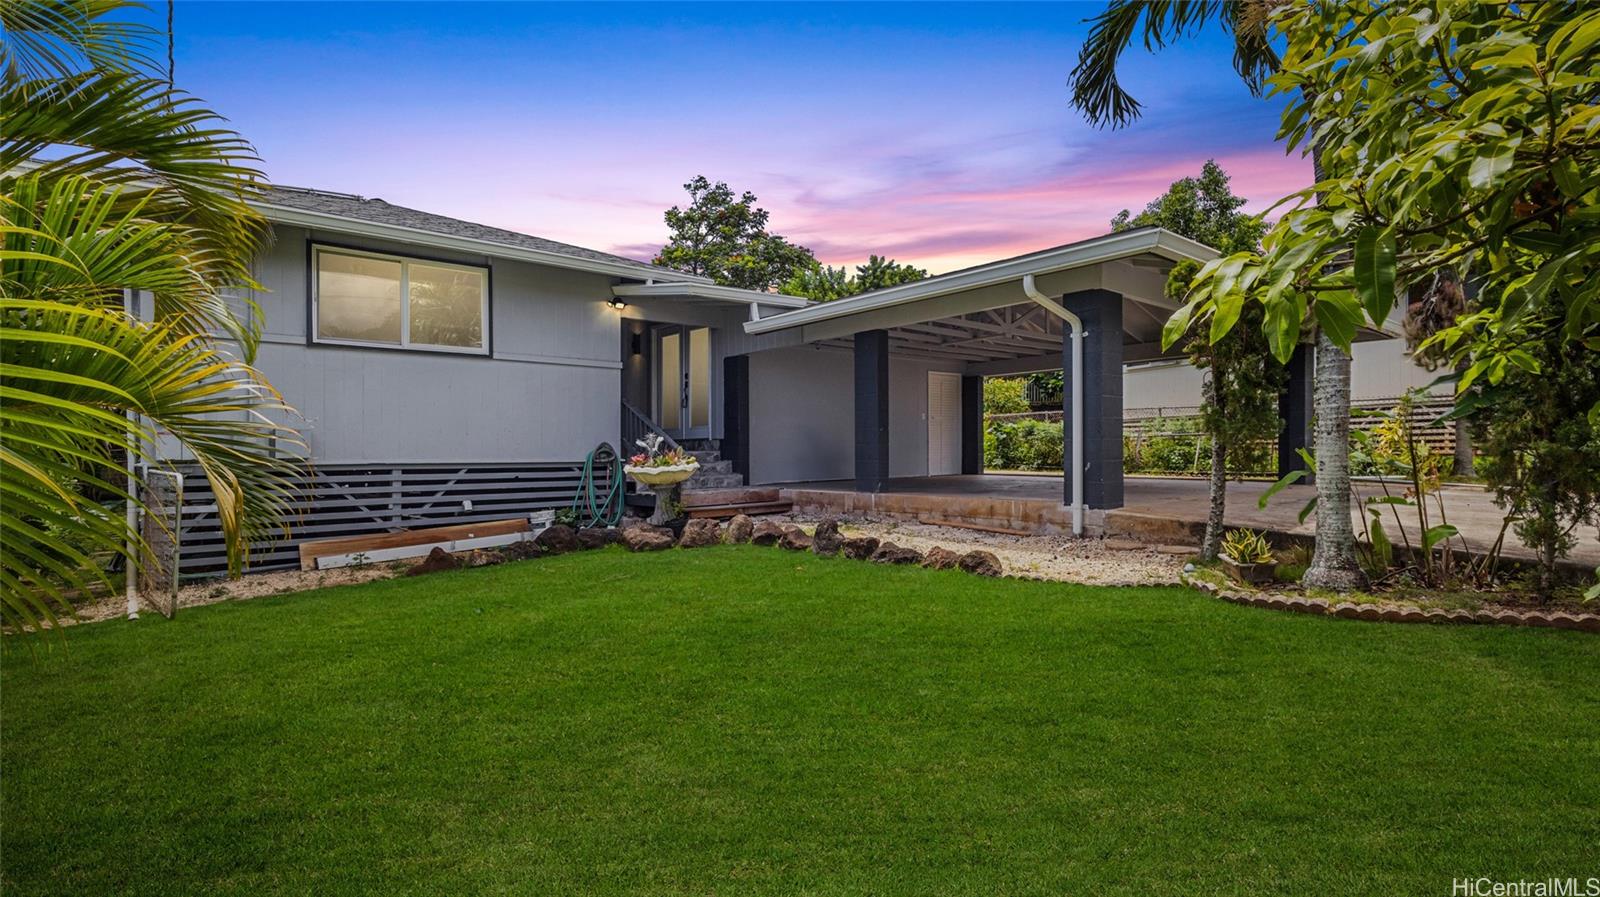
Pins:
x: 1076, y: 324
x: 131, y: 510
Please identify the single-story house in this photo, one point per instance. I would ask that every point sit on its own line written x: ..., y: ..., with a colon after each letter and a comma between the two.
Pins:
x: 450, y: 372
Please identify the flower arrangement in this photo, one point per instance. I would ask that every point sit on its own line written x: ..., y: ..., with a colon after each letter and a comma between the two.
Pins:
x: 653, y: 456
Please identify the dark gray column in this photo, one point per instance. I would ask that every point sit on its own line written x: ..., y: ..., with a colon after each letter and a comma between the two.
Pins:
x: 872, y: 410
x: 736, y: 413
x: 971, y: 425
x: 1101, y: 312
x: 1294, y: 408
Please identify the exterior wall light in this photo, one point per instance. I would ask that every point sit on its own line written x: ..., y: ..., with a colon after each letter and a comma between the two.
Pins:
x: 617, y: 304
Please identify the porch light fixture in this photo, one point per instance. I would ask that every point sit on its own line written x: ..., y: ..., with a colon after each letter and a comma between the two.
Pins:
x: 617, y: 304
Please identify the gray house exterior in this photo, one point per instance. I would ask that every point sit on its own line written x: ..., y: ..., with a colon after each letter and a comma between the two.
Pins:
x: 449, y: 372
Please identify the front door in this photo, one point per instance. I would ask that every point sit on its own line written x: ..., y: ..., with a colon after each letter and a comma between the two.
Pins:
x: 683, y: 381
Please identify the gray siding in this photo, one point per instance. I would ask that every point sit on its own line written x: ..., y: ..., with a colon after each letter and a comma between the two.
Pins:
x: 549, y: 393
x: 801, y: 415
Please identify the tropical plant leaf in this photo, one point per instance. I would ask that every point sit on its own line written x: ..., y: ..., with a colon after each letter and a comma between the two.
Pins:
x: 1374, y: 272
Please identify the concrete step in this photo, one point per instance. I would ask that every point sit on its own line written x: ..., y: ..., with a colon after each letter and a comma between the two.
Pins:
x: 716, y: 466
x: 705, y: 480
x: 705, y: 456
x: 752, y: 508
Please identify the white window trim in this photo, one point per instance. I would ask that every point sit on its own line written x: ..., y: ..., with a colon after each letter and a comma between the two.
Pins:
x: 405, y: 262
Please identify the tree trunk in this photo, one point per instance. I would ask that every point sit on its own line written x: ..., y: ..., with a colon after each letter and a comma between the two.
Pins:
x: 1463, y: 451
x: 1212, y: 544
x: 1333, y: 565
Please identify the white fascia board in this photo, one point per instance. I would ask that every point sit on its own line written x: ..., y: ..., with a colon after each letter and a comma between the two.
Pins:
x: 433, y: 240
x: 1076, y: 255
x: 669, y: 290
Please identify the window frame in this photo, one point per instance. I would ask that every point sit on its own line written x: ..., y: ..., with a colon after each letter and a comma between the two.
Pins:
x: 314, y: 278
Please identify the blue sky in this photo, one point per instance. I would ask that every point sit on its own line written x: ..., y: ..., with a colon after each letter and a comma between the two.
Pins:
x: 939, y: 134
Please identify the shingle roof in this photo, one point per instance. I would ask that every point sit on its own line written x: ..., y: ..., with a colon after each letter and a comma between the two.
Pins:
x: 345, y: 205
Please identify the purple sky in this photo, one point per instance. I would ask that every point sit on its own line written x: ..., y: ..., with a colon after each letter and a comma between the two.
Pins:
x: 937, y: 134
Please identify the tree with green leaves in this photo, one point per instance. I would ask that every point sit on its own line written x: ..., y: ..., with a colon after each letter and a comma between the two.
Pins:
x: 1098, y: 93
x: 1203, y: 208
x: 724, y: 237
x: 1453, y: 135
x: 112, y: 183
x: 1240, y: 404
x: 825, y: 283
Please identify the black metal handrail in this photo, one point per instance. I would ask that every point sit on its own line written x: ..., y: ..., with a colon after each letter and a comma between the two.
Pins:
x: 635, y: 425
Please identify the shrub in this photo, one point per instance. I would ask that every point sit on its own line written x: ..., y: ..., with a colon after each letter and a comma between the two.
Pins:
x: 1025, y: 444
x: 1004, y: 395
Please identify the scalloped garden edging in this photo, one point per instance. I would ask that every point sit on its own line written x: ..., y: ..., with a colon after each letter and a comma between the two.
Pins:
x: 1398, y: 613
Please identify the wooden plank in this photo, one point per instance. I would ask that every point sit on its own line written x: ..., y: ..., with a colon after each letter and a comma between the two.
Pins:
x: 316, y: 548
x: 334, y: 561
x: 701, y: 498
x: 723, y: 511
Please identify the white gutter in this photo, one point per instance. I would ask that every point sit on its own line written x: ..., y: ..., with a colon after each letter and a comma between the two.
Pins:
x: 1076, y: 324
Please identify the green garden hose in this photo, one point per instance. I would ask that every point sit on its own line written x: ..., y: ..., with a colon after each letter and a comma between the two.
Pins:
x: 587, y: 505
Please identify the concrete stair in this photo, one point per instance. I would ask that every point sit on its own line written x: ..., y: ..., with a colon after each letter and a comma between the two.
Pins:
x: 714, y: 473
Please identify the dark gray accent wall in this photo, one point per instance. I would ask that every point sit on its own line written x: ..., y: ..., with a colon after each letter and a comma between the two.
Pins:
x: 636, y: 364
x: 1101, y: 312
x: 736, y: 413
x: 1294, y: 407
x: 872, y: 409
x: 971, y: 425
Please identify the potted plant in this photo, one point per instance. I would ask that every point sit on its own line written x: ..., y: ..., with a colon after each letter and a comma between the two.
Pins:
x: 662, y: 472
x: 1247, y: 556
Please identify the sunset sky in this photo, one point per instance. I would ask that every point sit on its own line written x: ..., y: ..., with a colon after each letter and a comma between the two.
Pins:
x: 939, y: 135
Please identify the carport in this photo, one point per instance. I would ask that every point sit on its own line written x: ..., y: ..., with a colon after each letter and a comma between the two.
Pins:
x: 1018, y: 316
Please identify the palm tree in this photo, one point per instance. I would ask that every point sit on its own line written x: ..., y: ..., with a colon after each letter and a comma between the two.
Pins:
x: 1098, y: 94
x: 112, y: 185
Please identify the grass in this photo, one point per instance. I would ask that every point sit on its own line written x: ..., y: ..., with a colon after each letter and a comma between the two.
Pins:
x: 748, y: 721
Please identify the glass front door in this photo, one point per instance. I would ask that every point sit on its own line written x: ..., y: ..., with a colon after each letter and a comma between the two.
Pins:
x: 683, y: 381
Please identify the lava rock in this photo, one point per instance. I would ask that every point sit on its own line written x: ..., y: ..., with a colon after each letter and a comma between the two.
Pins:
x: 521, y: 551
x: 980, y: 563
x: 700, y: 532
x: 438, y: 559
x: 558, y: 538
x: 740, y: 528
x: 826, y: 541
x: 795, y: 539
x: 859, y: 548
x: 647, y: 538
x: 766, y: 533
x: 595, y: 537
x: 940, y: 558
x: 890, y: 553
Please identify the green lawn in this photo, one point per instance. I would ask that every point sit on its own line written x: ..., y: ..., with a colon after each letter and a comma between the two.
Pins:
x: 749, y: 721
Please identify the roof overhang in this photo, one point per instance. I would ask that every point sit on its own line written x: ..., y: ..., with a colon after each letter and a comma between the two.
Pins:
x: 1073, y: 256
x: 417, y: 237
x: 707, y: 292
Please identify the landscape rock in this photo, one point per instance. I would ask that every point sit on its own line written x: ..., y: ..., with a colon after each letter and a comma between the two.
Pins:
x: 940, y: 558
x: 795, y: 539
x: 596, y: 537
x: 890, y: 553
x: 647, y: 538
x: 859, y: 548
x: 521, y: 551
x: 981, y: 563
x: 558, y: 538
x: 766, y: 533
x: 438, y: 559
x: 701, y: 532
x: 827, y: 541
x: 740, y: 528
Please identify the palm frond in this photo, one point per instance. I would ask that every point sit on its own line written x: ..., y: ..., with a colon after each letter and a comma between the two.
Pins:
x: 56, y: 38
x: 1096, y: 90
x: 79, y: 386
